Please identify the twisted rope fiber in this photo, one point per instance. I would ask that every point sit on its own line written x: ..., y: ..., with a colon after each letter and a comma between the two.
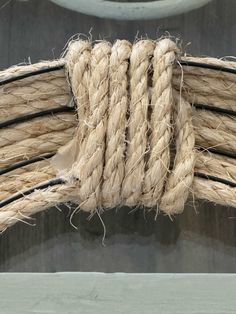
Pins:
x: 124, y: 155
x: 52, y: 196
x: 135, y: 135
x: 31, y: 94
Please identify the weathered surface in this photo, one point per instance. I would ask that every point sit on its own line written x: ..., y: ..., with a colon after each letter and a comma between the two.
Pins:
x: 203, y: 242
x: 88, y: 293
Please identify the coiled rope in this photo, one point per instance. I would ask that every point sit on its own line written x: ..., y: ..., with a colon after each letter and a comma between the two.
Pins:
x: 150, y: 128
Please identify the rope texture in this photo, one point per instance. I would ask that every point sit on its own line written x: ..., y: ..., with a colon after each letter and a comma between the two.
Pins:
x: 134, y: 139
x: 128, y: 118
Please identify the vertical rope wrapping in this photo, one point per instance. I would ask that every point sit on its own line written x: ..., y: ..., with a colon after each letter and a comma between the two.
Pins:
x: 137, y: 124
x: 114, y: 168
x: 131, y: 141
x: 128, y: 116
x: 162, y: 104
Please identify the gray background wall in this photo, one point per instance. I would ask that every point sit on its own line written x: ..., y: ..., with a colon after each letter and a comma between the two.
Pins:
x: 193, y: 242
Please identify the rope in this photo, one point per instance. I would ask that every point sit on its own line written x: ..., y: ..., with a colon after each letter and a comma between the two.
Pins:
x: 145, y: 119
x: 144, y: 174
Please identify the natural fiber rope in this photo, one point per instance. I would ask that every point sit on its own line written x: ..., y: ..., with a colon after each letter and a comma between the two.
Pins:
x: 136, y: 131
x: 30, y: 147
x: 32, y: 94
x: 25, y: 177
x: 41, y: 200
x: 19, y: 132
x: 145, y: 177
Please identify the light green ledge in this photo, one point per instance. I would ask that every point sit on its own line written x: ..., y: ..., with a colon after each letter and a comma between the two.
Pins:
x: 70, y: 293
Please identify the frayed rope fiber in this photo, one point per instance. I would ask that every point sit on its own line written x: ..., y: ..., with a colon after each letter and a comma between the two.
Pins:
x: 149, y: 128
x: 128, y: 117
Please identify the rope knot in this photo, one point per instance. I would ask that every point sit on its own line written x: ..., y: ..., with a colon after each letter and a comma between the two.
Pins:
x: 134, y: 144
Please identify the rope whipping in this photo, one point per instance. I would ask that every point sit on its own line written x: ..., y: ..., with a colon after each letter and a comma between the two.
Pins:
x: 149, y: 128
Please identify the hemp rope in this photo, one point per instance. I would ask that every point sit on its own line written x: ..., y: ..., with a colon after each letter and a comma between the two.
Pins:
x: 135, y: 137
x: 24, y: 178
x: 31, y: 175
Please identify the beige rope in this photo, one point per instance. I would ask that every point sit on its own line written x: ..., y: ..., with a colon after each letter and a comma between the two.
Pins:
x: 135, y: 139
x: 32, y: 204
x: 89, y: 164
x: 116, y: 125
x: 25, y: 177
x: 41, y: 200
x: 215, y: 192
x: 32, y: 94
x: 31, y: 147
x: 137, y: 124
x: 162, y: 103
x: 145, y: 176
x: 26, y: 130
